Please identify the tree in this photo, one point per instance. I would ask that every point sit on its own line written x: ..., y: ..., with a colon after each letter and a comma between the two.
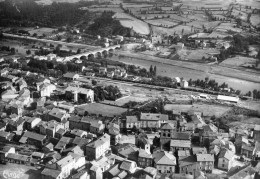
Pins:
x: 78, y: 51
x: 155, y: 70
x: 28, y: 52
x: 62, y: 67
x: 94, y: 82
x: 151, y: 69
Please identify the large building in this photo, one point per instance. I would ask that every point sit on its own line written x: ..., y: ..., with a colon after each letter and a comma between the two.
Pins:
x: 87, y: 95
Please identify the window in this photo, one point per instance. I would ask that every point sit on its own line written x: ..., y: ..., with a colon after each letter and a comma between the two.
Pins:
x: 223, y: 165
x: 164, y: 134
x: 160, y: 171
x: 169, y: 135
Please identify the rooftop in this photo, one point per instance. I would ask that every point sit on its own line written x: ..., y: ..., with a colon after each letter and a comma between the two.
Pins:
x: 154, y: 117
x: 205, y: 158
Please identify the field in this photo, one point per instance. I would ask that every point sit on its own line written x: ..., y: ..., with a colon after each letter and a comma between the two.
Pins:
x: 102, y: 109
x: 124, y: 100
x: 163, y: 22
x: 101, y: 9
x: 255, y: 19
x: 131, y: 22
x: 196, y: 55
x: 170, y: 31
x: 21, y: 171
x: 239, y: 61
x: 207, y: 110
x: 41, y: 31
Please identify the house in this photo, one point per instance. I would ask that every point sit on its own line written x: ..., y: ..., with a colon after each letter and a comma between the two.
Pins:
x: 87, y: 95
x: 41, y: 81
x: 17, y: 158
x: 6, y: 136
x: 183, y: 154
x: 57, y: 115
x: 246, y: 172
x: 114, y: 132
x: 104, y: 163
x: 5, y: 151
x: 152, y: 121
x: 247, y: 150
x: 145, y: 159
x: 164, y: 162
x: 130, y: 122
x: 98, y: 148
x: 33, y: 139
x: 189, y: 165
x: 15, y: 109
x: 97, y: 127
x: 225, y: 159
x: 128, y: 151
x: 142, y: 141
x: 176, y: 145
x: 63, y: 143
x: 21, y: 83
x: 8, y: 95
x: 71, y: 76
x: 51, y: 127
x: 31, y: 122
x: 78, y: 133
x: 75, y: 149
x: 102, y: 70
x: 167, y: 130
x: 184, y: 84
x: 46, y: 89
x: 48, y: 148
x: 256, y: 133
x: 48, y: 173
x: 69, y: 108
x: 66, y: 165
x: 128, y: 166
x: 15, y: 125
x: 206, y: 162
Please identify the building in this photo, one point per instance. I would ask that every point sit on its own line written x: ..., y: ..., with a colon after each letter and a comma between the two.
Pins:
x: 71, y: 76
x: 17, y: 158
x: 247, y: 150
x: 86, y: 95
x: 65, y: 166
x: 31, y: 123
x: 152, y: 121
x: 206, y: 162
x: 167, y: 130
x: 184, y: 84
x: 176, y: 145
x: 145, y: 159
x: 230, y: 99
x: 98, y: 148
x: 189, y: 165
x: 58, y: 115
x: 5, y: 151
x: 33, y: 139
x: 164, y: 162
x: 225, y: 159
x: 46, y: 89
x: 129, y: 123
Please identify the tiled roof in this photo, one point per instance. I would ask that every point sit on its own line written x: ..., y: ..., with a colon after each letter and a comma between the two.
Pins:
x: 181, y: 136
x: 168, y: 126
x: 164, y: 158
x: 154, y: 117
x: 114, y: 171
x: 225, y: 153
x: 205, y: 158
x: 144, y: 154
x: 190, y: 160
x: 180, y: 143
x: 34, y: 136
x: 99, y: 141
x: 131, y: 119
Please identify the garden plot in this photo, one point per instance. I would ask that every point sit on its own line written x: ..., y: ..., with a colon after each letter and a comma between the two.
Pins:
x: 255, y: 19
x: 171, y: 31
x: 196, y: 55
x: 42, y: 31
x: 225, y: 27
x: 131, y: 22
x: 239, y: 61
x: 239, y: 14
x: 162, y: 22
x: 101, y: 9
x: 200, y: 24
x: 130, y: 5
x: 199, y: 17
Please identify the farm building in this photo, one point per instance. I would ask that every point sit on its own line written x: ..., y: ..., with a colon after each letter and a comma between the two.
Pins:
x: 228, y: 98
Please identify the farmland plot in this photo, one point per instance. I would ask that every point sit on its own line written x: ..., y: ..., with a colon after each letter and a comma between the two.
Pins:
x: 238, y: 61
x: 163, y: 22
x: 200, y: 24
x: 171, y: 31
x: 255, y: 19
x: 225, y: 27
x: 131, y: 22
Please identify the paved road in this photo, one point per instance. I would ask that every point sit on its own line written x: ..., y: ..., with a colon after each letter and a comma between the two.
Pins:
x: 53, y: 41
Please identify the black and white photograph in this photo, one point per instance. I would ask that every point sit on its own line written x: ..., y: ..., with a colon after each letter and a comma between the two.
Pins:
x: 129, y: 89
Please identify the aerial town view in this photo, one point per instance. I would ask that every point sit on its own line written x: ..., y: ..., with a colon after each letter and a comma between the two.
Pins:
x: 130, y: 89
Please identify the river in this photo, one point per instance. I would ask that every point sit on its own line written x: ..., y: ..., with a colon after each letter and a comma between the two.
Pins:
x: 172, y: 71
